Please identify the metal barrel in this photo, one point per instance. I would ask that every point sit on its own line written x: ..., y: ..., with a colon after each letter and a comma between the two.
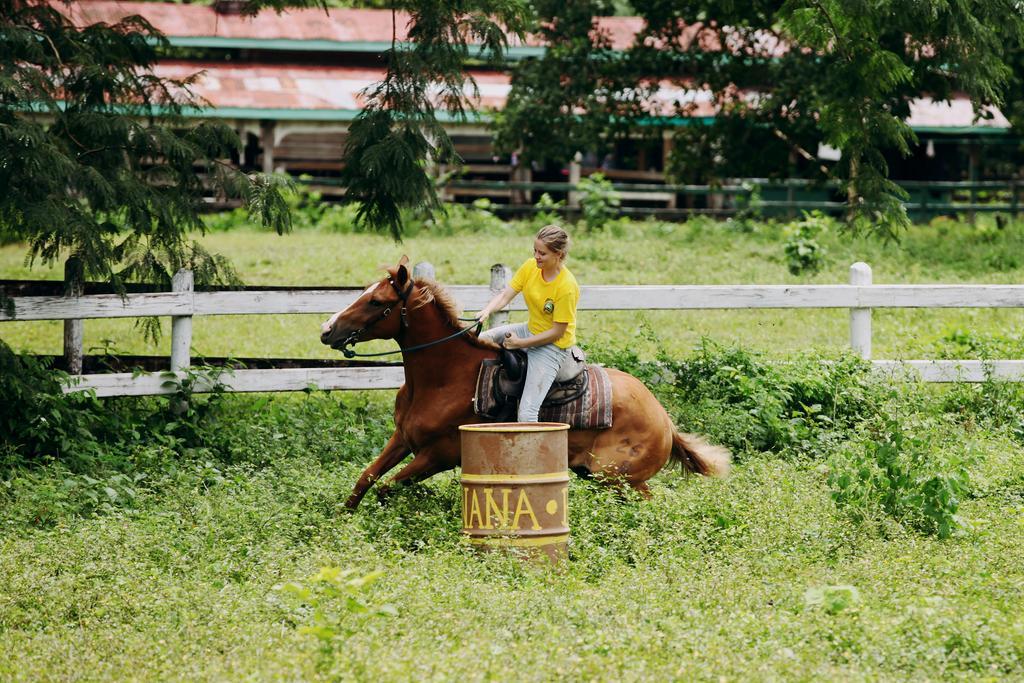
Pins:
x: 515, y: 487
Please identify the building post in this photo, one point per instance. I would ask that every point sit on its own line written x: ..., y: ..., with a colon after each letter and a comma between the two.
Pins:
x: 860, y: 318
x: 575, y: 172
x: 521, y: 173
x: 501, y: 275
x: 667, y: 145
x: 267, y: 141
x: 973, y: 173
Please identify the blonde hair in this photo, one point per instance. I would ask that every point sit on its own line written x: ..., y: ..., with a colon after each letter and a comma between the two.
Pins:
x: 555, y: 238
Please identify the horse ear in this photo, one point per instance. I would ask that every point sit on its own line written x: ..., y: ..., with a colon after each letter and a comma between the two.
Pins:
x: 402, y: 273
x: 404, y: 260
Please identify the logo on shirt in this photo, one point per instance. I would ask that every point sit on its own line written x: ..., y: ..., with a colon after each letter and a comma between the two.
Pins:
x: 549, y: 306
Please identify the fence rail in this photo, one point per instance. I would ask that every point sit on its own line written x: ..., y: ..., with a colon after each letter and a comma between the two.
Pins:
x: 860, y: 296
x: 774, y: 197
x: 594, y: 298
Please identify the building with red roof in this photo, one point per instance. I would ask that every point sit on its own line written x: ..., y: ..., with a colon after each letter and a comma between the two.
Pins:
x: 290, y: 83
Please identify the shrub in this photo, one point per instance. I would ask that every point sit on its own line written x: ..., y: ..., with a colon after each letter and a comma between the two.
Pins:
x: 36, y: 419
x: 902, y: 476
x: 803, y: 253
x: 547, y: 211
x: 747, y: 403
x: 333, y: 598
x: 599, y: 202
x: 454, y: 219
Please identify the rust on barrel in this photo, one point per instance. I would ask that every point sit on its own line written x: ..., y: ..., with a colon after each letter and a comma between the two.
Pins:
x: 515, y: 486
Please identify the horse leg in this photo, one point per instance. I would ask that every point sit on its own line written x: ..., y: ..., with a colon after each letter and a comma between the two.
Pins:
x: 393, y: 453
x: 626, y: 456
x: 423, y: 465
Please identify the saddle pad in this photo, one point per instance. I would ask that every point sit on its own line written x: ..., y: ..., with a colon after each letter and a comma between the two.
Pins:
x: 592, y: 410
x: 485, y: 403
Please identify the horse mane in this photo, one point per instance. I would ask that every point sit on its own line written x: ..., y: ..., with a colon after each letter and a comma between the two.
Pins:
x: 434, y: 292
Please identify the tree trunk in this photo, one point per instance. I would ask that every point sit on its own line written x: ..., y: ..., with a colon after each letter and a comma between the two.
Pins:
x: 852, y: 196
x: 74, y: 286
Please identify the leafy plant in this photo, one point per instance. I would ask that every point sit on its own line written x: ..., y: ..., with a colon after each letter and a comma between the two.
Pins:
x: 188, y: 409
x: 832, y: 599
x: 547, y: 211
x: 454, y: 219
x: 902, y: 476
x: 748, y: 403
x: 334, y: 601
x: 36, y: 419
x: 803, y: 252
x: 598, y: 200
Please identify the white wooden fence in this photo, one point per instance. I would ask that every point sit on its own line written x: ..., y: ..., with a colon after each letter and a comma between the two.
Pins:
x: 860, y: 296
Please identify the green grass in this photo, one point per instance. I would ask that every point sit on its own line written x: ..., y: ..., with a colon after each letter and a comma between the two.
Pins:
x: 707, y: 581
x: 699, y: 252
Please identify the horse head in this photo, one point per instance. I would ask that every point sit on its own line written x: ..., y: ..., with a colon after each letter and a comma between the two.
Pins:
x: 377, y: 313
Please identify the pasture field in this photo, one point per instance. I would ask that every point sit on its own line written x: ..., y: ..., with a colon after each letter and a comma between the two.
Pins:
x: 167, y: 562
x: 870, y: 530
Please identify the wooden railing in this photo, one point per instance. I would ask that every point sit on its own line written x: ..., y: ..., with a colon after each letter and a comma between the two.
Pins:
x: 860, y: 296
x: 927, y: 198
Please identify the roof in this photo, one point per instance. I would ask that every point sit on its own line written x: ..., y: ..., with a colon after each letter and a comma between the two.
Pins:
x: 954, y: 116
x: 295, y: 92
x: 317, y: 91
x: 181, y: 20
x: 303, y: 29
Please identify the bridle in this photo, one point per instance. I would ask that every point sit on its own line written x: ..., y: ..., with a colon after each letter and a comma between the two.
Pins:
x: 403, y: 297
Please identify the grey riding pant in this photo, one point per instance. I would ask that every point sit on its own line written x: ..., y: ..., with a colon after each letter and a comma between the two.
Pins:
x: 543, y: 364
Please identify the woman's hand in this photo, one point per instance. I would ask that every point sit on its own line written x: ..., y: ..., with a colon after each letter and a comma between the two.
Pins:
x: 500, y: 301
x: 512, y: 342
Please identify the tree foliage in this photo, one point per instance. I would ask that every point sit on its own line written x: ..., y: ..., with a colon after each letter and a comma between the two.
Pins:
x: 399, y: 131
x: 784, y: 77
x: 96, y: 162
x: 573, y: 97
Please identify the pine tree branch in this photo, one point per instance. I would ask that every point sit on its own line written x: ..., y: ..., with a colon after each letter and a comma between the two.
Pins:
x: 835, y: 29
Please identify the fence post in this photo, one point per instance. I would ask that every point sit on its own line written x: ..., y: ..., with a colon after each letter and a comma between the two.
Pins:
x: 423, y: 269
x: 74, y: 287
x: 575, y: 171
x: 860, y: 318
x: 181, y: 325
x: 501, y: 275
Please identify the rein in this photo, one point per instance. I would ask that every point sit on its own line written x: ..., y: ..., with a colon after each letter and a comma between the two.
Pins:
x: 349, y: 353
x: 404, y: 296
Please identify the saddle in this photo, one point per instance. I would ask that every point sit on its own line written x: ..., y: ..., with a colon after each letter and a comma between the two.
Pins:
x: 500, y: 384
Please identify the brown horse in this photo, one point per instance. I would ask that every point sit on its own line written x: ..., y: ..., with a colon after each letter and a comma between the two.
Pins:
x: 440, y: 380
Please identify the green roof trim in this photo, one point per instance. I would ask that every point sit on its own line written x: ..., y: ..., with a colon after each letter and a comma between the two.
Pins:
x: 305, y: 114
x: 484, y: 117
x: 321, y: 45
x: 962, y: 130
x: 351, y: 114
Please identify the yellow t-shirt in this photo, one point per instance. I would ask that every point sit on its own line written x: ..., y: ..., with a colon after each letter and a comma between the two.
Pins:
x: 548, y: 302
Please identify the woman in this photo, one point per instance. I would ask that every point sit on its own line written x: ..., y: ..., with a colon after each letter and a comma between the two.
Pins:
x: 551, y: 295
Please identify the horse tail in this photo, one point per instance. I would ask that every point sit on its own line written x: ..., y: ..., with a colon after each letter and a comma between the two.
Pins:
x: 695, y: 454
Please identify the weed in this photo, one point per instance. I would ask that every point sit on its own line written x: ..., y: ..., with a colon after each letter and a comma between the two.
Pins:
x: 907, y: 477
x: 598, y: 200
x: 804, y: 254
